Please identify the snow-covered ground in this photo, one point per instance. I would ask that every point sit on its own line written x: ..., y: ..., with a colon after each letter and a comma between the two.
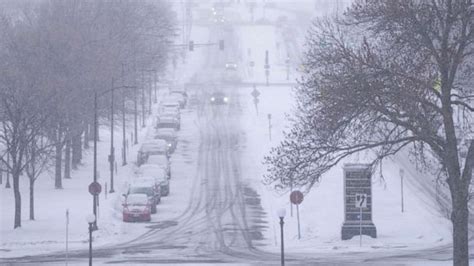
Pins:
x: 421, y: 226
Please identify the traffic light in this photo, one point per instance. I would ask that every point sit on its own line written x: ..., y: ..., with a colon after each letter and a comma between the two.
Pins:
x: 221, y: 44
x: 191, y: 46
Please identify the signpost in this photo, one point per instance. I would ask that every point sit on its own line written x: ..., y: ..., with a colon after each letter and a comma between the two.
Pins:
x: 269, y: 126
x: 255, y: 93
x: 267, y: 67
x: 95, y: 188
x: 360, y: 202
x: 402, y: 173
x: 296, y: 197
x: 357, y: 202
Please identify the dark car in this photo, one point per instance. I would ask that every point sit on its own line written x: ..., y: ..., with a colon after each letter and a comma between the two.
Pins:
x: 169, y: 135
x: 219, y: 98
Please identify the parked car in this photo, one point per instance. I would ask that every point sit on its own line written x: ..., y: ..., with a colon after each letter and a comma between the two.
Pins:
x: 170, y: 103
x: 137, y: 207
x: 180, y: 92
x: 161, y: 161
x: 152, y: 147
x: 148, y: 188
x: 157, y: 175
x: 177, y: 97
x: 169, y: 135
x: 168, y: 122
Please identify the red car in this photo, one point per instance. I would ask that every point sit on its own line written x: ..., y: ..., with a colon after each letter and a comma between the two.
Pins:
x: 137, y: 207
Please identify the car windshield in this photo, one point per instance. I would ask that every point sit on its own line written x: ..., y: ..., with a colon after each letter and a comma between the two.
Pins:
x: 137, y: 200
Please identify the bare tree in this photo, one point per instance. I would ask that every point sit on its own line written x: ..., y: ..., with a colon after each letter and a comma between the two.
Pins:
x: 390, y: 75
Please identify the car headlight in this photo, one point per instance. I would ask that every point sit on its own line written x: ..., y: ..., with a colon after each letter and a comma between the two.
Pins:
x: 226, y: 99
x: 213, y: 99
x: 169, y: 144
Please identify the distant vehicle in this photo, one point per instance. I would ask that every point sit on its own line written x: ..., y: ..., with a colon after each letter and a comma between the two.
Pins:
x: 180, y: 92
x: 231, y: 66
x: 161, y: 161
x: 169, y: 135
x: 219, y: 98
x: 169, y: 113
x: 156, y: 174
x: 152, y: 147
x: 148, y: 188
x: 177, y: 97
x: 137, y: 207
x: 168, y: 102
x: 168, y: 122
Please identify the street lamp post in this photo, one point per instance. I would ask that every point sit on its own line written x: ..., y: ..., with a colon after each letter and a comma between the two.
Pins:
x: 281, y: 214
x: 90, y: 220
x: 112, y: 149
x: 94, y: 207
x: 143, y: 99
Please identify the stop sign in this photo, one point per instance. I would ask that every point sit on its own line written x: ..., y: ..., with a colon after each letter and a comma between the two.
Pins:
x: 296, y: 197
x: 95, y: 188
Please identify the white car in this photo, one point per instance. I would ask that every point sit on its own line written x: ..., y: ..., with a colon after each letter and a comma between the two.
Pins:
x: 168, y: 103
x: 161, y: 161
x: 156, y: 174
x: 152, y: 147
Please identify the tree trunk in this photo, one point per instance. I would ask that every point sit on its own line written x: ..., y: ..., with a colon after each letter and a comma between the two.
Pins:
x: 67, y: 159
x: 86, y: 135
x: 16, y: 192
x: 32, y: 200
x: 76, y: 146
x: 460, y: 220
x: 58, y: 161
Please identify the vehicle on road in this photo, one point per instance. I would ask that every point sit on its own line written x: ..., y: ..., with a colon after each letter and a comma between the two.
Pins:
x: 156, y: 174
x: 137, y: 207
x: 219, y: 98
x: 231, y: 66
x: 148, y: 188
x: 152, y: 147
x: 180, y: 92
x: 177, y: 97
x: 168, y: 122
x: 169, y: 135
x: 161, y: 161
x: 170, y: 103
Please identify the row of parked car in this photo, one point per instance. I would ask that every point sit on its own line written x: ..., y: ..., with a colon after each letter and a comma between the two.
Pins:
x: 153, y: 174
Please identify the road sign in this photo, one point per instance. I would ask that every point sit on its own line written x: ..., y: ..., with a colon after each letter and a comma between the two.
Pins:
x: 255, y: 93
x: 296, y: 197
x: 95, y: 188
x: 361, y: 200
